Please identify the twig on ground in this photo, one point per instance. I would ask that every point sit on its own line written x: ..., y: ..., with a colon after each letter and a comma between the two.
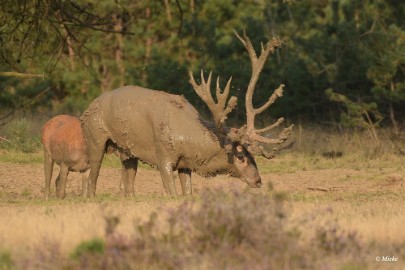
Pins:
x: 318, y: 189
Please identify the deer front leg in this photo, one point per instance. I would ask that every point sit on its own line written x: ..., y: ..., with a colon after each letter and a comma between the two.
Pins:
x: 61, y: 183
x: 129, y: 169
x: 166, y: 172
x: 185, y: 181
x: 48, y: 167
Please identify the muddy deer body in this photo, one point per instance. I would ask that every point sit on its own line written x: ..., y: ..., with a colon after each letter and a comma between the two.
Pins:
x: 166, y: 131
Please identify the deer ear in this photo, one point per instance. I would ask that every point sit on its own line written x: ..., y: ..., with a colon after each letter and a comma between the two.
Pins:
x: 227, y: 144
x: 228, y: 148
x: 233, y: 134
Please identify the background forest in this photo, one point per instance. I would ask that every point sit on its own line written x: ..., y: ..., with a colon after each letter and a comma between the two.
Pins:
x: 332, y: 199
x: 343, y: 61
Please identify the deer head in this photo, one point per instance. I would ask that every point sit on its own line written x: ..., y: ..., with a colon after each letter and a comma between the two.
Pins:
x: 246, y: 141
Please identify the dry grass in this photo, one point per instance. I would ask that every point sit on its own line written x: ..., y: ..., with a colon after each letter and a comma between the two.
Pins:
x: 67, y: 224
x: 362, y: 191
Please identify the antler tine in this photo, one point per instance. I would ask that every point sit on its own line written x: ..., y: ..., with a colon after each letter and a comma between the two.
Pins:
x: 217, y: 109
x: 221, y: 97
x: 208, y: 83
x: 276, y: 124
x: 259, y: 150
x: 282, y: 137
x: 276, y: 94
x: 257, y: 66
x: 252, y: 136
x: 202, y: 90
x: 248, y: 44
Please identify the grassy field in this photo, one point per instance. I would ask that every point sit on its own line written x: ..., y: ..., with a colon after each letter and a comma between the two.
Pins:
x: 316, y: 210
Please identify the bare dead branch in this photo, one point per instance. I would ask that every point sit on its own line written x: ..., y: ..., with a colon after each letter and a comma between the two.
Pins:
x: 318, y: 189
x: 20, y: 75
x: 20, y: 107
x: 4, y: 139
x: 181, y: 17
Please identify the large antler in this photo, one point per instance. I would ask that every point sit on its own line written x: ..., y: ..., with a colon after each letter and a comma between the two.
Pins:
x: 252, y: 136
x: 218, y: 109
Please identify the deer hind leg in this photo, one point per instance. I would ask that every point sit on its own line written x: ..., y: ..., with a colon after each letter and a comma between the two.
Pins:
x: 48, y: 168
x: 129, y: 169
x: 61, y: 183
x: 85, y: 176
x: 166, y: 172
x: 185, y: 181
x: 96, y: 150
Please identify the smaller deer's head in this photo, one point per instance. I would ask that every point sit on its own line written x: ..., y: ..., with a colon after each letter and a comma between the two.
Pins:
x: 246, y: 141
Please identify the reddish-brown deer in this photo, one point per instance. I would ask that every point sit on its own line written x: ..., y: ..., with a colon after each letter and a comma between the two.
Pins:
x: 63, y: 142
x: 166, y: 131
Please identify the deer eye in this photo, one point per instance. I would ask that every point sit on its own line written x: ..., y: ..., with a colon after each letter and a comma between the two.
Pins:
x: 240, y: 157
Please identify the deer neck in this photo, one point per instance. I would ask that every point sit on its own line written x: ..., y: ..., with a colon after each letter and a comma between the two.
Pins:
x: 218, y: 164
x: 218, y: 161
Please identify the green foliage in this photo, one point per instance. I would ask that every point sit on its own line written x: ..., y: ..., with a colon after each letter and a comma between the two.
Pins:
x: 19, y: 137
x: 88, y: 248
x: 6, y: 262
x: 358, y: 113
x: 354, y: 47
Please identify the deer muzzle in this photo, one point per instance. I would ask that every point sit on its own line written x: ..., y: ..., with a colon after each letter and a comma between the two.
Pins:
x: 255, y: 183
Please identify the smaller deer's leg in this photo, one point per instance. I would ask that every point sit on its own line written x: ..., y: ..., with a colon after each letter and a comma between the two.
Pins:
x: 124, y: 178
x: 85, y: 176
x: 166, y: 172
x: 185, y: 181
x: 57, y: 181
x: 130, y: 167
x: 60, y: 188
x: 48, y: 167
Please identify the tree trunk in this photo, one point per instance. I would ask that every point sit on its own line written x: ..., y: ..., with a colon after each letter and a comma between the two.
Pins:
x: 105, y: 78
x: 371, y: 127
x: 168, y: 11
x: 192, y: 6
x: 148, y: 48
x: 392, y: 113
x: 119, y: 54
x: 71, y: 52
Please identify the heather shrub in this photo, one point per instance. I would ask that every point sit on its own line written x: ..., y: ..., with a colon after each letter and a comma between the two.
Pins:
x: 332, y: 239
x: 233, y: 230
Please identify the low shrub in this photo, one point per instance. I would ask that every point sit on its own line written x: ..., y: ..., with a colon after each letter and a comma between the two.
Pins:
x: 88, y: 248
x: 236, y: 230
x: 6, y: 262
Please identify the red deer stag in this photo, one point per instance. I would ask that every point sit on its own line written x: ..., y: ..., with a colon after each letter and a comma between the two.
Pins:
x: 63, y: 142
x: 167, y: 131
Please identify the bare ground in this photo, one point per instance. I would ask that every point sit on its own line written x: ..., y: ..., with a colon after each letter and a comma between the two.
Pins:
x: 369, y: 200
x: 27, y: 180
